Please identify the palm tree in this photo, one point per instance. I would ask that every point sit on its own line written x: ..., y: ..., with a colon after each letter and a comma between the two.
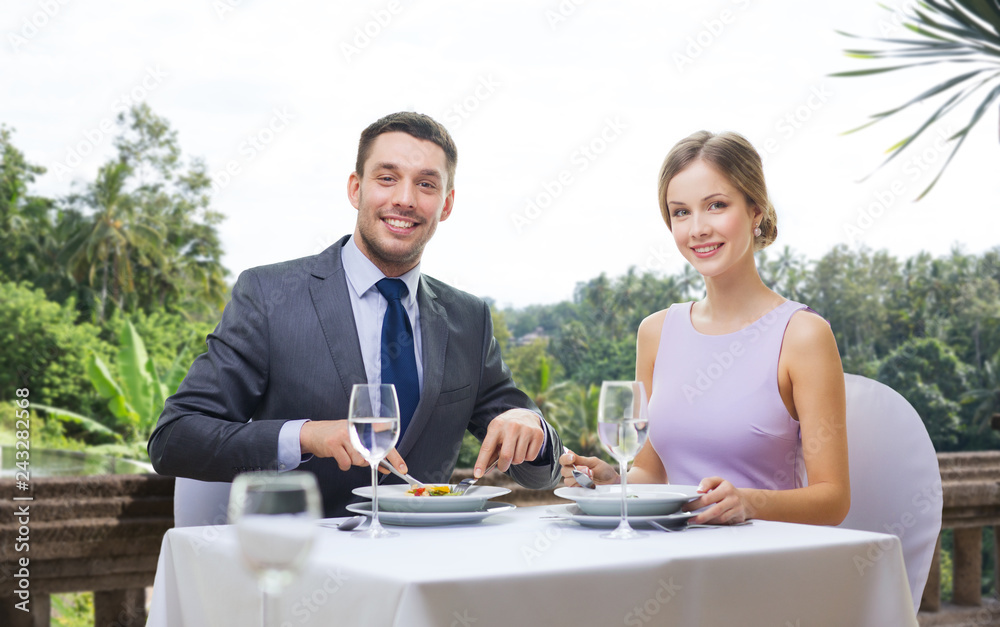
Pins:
x: 690, y: 283
x: 580, y: 432
x: 986, y: 394
x: 25, y: 219
x: 103, y: 253
x: 784, y: 274
x: 965, y: 32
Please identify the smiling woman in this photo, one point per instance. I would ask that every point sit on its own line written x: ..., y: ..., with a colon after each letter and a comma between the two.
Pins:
x: 745, y: 385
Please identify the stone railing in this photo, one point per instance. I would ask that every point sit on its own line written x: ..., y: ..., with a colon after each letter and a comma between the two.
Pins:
x: 98, y: 533
x: 103, y: 534
x: 971, y: 485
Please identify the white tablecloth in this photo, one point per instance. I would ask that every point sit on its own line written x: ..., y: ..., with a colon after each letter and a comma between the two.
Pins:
x: 518, y: 569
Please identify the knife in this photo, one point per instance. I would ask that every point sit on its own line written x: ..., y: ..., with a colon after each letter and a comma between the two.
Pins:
x: 407, y: 478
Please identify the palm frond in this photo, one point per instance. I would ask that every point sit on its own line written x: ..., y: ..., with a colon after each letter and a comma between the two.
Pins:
x: 947, y: 32
x: 986, y: 10
x: 963, y: 134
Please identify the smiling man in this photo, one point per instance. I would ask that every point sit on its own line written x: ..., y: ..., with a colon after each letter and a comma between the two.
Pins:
x: 272, y: 391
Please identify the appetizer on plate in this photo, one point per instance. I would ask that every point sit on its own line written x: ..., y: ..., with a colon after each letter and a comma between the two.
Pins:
x: 430, y: 490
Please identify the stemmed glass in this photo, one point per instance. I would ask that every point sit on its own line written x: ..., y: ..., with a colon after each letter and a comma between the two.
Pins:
x: 275, y: 517
x: 373, y: 418
x: 622, y: 426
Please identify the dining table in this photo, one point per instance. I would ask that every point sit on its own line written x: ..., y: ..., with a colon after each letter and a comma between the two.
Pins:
x: 534, y: 566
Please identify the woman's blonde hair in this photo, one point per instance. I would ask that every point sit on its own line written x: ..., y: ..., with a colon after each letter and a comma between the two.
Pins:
x: 734, y: 157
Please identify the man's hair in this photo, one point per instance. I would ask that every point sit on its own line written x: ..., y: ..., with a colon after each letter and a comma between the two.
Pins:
x: 416, y: 125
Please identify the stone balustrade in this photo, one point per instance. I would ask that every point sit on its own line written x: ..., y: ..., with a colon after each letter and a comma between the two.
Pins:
x: 103, y: 534
x: 97, y: 533
x: 971, y: 486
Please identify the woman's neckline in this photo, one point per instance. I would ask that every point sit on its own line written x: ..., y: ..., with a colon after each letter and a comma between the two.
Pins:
x: 757, y: 321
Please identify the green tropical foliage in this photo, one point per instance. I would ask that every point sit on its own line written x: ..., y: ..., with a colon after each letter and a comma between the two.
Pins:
x: 25, y: 228
x: 141, y: 237
x: 135, y: 254
x: 964, y: 33
x: 46, y: 348
x: 984, y: 394
x: 135, y: 394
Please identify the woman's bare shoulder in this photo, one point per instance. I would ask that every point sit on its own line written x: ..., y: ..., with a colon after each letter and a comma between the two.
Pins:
x: 651, y: 325
x: 808, y: 335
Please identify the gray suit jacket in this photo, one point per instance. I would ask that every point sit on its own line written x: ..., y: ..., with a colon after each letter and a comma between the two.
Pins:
x: 287, y: 348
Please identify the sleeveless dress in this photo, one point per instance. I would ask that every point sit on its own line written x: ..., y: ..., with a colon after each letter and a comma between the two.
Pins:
x: 715, y: 409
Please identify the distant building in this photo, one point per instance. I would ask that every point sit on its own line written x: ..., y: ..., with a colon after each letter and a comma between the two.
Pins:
x: 528, y: 338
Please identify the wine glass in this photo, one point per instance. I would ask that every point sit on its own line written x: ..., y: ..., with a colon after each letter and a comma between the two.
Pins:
x: 373, y: 421
x: 275, y: 516
x: 622, y: 426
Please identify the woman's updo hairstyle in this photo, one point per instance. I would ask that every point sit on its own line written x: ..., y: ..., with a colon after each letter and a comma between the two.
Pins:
x: 733, y: 156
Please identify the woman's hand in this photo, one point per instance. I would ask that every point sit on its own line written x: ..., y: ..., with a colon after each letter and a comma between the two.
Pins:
x: 597, y: 469
x: 725, y: 503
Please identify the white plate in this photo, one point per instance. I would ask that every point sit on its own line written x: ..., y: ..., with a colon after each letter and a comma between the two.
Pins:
x: 644, y: 499
x: 574, y: 513
x: 430, y: 519
x: 393, y: 498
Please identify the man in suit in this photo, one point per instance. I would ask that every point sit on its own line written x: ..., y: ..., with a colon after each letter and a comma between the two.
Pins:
x: 272, y: 391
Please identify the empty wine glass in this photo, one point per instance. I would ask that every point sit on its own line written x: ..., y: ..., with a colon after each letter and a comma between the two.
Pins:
x: 622, y: 426
x: 373, y: 418
x: 275, y: 516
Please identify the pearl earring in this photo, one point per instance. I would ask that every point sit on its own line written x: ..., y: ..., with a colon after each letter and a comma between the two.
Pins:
x: 756, y: 231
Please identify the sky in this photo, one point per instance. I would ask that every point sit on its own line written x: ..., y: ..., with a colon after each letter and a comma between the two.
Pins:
x: 562, y: 110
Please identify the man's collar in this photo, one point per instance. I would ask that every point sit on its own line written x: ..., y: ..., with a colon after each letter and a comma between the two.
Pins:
x: 362, y: 274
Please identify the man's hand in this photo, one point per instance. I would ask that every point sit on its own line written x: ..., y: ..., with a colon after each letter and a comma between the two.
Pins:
x: 330, y: 438
x: 517, y: 435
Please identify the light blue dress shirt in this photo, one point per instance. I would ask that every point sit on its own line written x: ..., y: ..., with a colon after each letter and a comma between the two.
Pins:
x: 369, y: 309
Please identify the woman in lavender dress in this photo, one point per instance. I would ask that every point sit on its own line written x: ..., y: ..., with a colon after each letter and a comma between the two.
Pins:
x: 746, y: 388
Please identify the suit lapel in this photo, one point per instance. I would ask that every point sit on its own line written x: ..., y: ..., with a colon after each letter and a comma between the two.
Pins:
x: 328, y: 289
x: 434, y: 345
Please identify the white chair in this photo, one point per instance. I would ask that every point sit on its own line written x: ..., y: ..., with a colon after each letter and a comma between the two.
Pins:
x: 895, y: 481
x: 198, y: 503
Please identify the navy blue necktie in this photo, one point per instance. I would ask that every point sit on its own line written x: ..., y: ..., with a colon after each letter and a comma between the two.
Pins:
x: 399, y: 366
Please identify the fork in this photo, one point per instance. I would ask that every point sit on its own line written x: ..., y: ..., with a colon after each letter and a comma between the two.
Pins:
x: 465, y: 484
x: 696, y: 526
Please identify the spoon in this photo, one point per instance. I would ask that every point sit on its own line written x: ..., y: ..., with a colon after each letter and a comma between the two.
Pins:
x: 581, y: 477
x: 351, y: 523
